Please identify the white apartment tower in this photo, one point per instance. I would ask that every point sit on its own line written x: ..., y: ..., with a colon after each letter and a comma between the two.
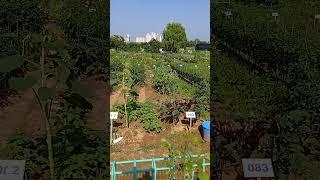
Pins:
x: 149, y: 37
x: 153, y: 35
x: 127, y: 38
x: 140, y: 39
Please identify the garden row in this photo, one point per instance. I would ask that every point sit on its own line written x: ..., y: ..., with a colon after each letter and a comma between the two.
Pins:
x: 285, y: 46
x: 57, y: 55
x: 164, y: 80
x: 282, y: 45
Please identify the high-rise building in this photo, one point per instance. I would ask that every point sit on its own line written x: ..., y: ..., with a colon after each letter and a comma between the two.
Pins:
x: 152, y: 35
x: 140, y: 39
x: 149, y: 37
x: 127, y: 38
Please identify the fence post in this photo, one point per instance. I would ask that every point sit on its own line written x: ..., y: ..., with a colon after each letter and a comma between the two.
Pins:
x: 203, y: 164
x: 113, y: 171
x: 134, y: 170
x: 154, y: 170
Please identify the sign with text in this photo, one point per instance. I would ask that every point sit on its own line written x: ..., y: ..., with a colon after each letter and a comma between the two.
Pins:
x: 190, y: 114
x: 113, y: 115
x: 275, y: 14
x: 12, y: 169
x: 317, y: 16
x: 257, y: 168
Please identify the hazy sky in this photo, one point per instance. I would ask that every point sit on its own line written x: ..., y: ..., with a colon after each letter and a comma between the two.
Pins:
x: 137, y: 17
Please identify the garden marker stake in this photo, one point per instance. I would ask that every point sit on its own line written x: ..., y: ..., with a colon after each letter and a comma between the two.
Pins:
x: 190, y: 115
x: 113, y: 116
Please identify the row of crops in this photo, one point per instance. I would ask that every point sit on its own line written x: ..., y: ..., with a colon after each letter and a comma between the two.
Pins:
x: 267, y: 86
x: 48, y: 50
x: 251, y: 113
x: 130, y: 71
x: 283, y: 44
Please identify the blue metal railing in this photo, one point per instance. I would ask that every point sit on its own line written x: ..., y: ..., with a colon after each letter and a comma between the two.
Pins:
x: 154, y: 169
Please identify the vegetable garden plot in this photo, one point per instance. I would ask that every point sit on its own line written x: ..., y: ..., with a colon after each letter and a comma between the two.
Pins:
x: 287, y: 49
x: 149, y: 119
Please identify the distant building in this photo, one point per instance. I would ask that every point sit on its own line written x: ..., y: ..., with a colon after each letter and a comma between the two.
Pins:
x: 148, y: 37
x: 140, y: 39
x: 127, y: 38
x: 153, y: 35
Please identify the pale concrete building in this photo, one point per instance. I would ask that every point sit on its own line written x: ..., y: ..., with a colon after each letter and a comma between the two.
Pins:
x: 148, y: 37
x: 127, y: 38
x: 152, y: 35
x: 140, y: 39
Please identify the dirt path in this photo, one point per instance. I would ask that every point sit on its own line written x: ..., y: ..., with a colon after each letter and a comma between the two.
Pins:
x: 147, y: 92
x: 23, y: 114
x: 142, y: 145
x: 98, y: 98
x: 116, y: 98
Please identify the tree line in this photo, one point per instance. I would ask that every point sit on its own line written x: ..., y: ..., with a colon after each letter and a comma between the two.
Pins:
x: 174, y: 38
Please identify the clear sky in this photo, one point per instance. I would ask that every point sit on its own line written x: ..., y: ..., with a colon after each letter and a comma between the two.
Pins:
x: 137, y: 17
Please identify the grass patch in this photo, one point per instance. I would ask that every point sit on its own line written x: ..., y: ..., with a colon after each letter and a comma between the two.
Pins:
x: 183, y: 88
x: 149, y: 147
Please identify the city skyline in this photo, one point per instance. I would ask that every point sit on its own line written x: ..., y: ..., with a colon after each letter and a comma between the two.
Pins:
x: 139, y: 17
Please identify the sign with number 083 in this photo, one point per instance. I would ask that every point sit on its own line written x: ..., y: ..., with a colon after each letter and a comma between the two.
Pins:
x: 12, y: 169
x: 190, y: 114
x: 257, y: 168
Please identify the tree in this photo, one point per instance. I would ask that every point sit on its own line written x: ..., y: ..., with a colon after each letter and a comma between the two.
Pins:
x: 117, y: 41
x: 174, y: 37
x: 22, y: 16
x: 153, y: 46
x: 82, y: 18
x: 132, y: 47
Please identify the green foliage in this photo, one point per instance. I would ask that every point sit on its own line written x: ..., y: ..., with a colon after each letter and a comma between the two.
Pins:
x: 171, y: 110
x: 149, y: 117
x: 146, y: 113
x: 79, y: 151
x: 185, y: 145
x: 10, y: 63
x: 202, y: 99
x: 174, y: 37
x: 117, y: 42
x: 132, y: 47
x: 80, y: 18
x: 163, y: 79
x: 137, y: 71
x: 32, y: 149
x: 46, y: 93
x: 153, y: 46
x: 89, y: 56
x: 23, y: 84
x: 22, y: 16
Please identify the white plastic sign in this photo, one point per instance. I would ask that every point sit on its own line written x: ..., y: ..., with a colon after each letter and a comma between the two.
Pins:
x: 275, y: 14
x: 257, y: 168
x: 317, y: 16
x: 228, y: 13
x: 113, y: 115
x: 190, y: 114
x: 12, y: 169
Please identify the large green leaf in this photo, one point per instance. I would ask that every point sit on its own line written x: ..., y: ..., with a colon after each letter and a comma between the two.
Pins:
x: 10, y: 63
x: 22, y: 84
x: 36, y: 38
x: 10, y: 35
x: 62, y: 73
x: 79, y: 88
x: 46, y: 93
x: 56, y: 45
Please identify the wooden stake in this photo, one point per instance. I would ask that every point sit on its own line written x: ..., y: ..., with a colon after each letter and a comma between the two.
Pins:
x: 111, y: 124
x: 190, y: 124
